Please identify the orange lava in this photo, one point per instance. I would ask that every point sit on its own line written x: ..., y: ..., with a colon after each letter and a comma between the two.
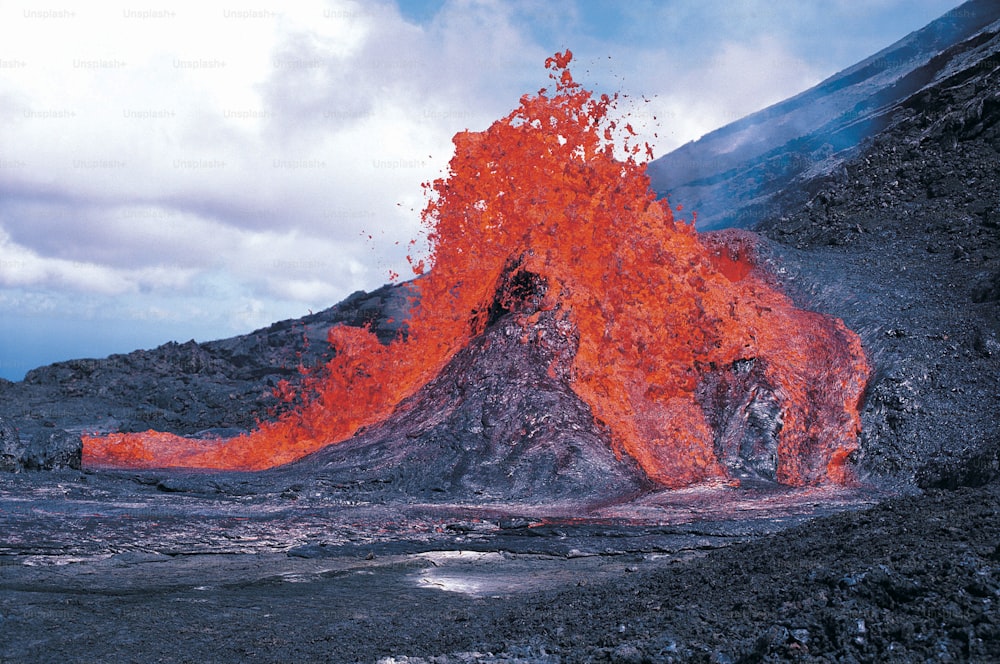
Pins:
x: 654, y: 305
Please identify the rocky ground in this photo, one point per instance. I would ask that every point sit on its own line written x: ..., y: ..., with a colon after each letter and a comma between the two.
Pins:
x: 912, y: 579
x: 902, y: 242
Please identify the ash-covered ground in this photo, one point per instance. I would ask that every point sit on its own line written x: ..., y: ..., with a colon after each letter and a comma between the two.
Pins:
x: 352, y: 558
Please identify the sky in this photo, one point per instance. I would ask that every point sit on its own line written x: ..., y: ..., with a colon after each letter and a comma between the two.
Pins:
x: 202, y: 169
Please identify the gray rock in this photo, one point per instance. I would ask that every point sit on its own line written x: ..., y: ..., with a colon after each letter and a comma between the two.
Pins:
x: 10, y: 446
x: 47, y: 449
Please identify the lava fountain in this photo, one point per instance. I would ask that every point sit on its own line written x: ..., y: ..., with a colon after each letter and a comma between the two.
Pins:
x: 672, y: 327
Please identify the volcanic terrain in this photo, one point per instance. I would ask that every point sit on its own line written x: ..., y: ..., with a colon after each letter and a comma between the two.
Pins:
x: 493, y: 518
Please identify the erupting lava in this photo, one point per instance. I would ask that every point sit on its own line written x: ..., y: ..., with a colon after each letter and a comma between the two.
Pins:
x: 538, y: 208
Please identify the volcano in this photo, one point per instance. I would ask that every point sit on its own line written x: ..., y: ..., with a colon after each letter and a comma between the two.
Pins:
x: 497, y: 509
x: 538, y: 219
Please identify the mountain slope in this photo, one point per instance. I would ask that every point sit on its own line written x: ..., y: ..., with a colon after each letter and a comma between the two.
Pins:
x: 733, y: 175
x: 903, y: 242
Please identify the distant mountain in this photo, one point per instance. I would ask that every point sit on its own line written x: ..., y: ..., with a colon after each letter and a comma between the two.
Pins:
x: 740, y: 174
x: 186, y: 388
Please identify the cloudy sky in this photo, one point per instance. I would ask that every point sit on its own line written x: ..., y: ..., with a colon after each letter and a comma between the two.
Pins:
x: 201, y: 169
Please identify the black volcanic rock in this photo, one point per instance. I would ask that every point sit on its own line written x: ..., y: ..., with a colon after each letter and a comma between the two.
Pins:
x: 47, y: 449
x: 500, y: 422
x: 744, y: 412
x: 735, y: 175
x: 903, y: 244
x: 10, y: 447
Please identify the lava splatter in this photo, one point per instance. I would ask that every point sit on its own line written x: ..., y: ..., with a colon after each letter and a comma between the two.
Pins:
x: 538, y: 206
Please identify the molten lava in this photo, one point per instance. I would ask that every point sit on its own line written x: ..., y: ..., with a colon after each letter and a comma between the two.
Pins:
x: 539, y: 205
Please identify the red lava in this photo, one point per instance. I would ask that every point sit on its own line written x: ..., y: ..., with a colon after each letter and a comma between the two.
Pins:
x: 541, y: 193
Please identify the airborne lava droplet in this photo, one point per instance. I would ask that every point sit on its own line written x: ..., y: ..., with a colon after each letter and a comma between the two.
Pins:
x: 659, y: 311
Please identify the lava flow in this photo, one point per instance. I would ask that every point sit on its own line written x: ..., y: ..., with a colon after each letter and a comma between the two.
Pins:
x: 668, y: 323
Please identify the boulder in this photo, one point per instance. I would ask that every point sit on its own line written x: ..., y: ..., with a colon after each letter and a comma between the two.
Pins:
x: 46, y: 449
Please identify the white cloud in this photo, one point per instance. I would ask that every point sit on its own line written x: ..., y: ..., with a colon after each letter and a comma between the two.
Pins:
x: 23, y: 267
x: 211, y: 137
